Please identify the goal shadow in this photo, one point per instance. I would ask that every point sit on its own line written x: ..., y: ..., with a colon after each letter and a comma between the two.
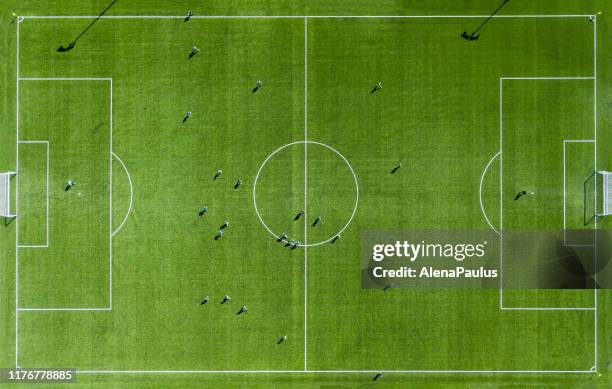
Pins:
x: 589, y: 190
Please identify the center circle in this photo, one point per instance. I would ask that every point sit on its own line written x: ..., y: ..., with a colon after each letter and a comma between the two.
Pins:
x: 276, y: 232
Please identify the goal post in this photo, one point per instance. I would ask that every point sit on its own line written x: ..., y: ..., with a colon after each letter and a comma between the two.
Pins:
x: 5, y: 195
x: 606, y: 193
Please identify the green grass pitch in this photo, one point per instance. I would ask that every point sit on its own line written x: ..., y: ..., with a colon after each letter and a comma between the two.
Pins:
x: 107, y: 277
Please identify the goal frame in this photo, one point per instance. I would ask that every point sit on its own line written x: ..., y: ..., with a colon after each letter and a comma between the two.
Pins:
x: 5, y: 211
x: 606, y: 181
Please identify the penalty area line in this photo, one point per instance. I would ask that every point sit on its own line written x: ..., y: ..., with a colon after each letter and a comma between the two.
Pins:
x: 131, y: 194
x: 484, y: 173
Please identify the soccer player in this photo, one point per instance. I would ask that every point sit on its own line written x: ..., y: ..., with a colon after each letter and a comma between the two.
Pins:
x: 377, y: 87
x: 296, y: 244
x: 377, y: 376
x: 243, y: 309
x: 189, y: 14
x: 219, y: 235
x: 299, y: 214
x: 69, y: 185
x: 203, y: 211
x: 187, y: 116
x: 204, y: 300
x: 217, y: 174
x: 282, y: 237
x: 317, y: 221
x: 194, y: 51
x: 395, y: 169
x: 522, y: 193
x: 226, y: 298
x: 335, y: 238
x: 282, y: 339
x: 224, y: 225
x: 238, y: 183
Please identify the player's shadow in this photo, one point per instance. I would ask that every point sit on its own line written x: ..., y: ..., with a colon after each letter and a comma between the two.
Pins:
x: 72, y: 44
x: 9, y: 220
x: 97, y: 128
x: 588, y: 216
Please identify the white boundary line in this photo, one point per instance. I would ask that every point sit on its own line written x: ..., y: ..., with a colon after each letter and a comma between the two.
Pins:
x: 17, y: 309
x: 17, y: 194
x: 63, y: 309
x: 181, y: 17
x: 46, y: 244
x: 110, y: 233
x: 547, y: 309
x: 595, y: 161
x: 484, y: 213
x: 332, y: 371
x: 305, y: 193
x: 131, y: 195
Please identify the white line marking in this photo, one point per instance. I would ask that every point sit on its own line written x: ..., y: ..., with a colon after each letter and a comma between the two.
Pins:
x: 484, y: 213
x: 547, y: 78
x: 579, y: 140
x: 501, y: 197
x: 564, y: 199
x: 305, y: 193
x: 17, y: 309
x: 63, y: 309
x: 333, y: 371
x: 110, y: 195
x: 17, y: 246
x: 127, y: 17
x: 548, y: 309
x: 315, y: 143
x: 65, y: 79
x: 595, y: 199
x: 131, y: 195
x: 17, y: 196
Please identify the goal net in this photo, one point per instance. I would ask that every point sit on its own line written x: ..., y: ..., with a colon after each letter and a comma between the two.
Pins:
x: 606, y: 193
x: 5, y: 194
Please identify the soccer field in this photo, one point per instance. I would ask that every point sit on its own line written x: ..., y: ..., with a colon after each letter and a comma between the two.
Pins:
x: 107, y: 277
